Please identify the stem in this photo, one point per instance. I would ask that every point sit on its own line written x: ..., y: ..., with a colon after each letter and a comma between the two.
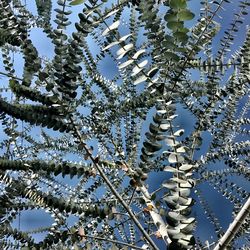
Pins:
x: 10, y: 75
x: 234, y: 227
x: 132, y: 197
x: 113, y: 190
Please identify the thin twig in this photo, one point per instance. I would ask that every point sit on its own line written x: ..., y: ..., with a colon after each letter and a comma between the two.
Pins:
x: 132, y: 197
x: 12, y: 76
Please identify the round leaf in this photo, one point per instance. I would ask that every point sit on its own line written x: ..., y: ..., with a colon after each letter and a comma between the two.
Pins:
x: 178, y: 4
x: 185, y: 15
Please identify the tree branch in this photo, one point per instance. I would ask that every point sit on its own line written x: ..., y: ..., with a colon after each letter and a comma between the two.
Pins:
x: 234, y: 227
x: 110, y: 185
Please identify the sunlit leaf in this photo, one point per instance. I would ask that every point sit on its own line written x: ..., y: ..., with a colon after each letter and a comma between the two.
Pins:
x: 138, y: 53
x: 122, y: 39
x: 111, y: 13
x: 113, y: 26
x: 110, y: 45
x: 122, y: 51
x: 125, y: 64
x: 140, y: 79
x: 179, y: 132
x: 186, y: 167
x: 173, y: 158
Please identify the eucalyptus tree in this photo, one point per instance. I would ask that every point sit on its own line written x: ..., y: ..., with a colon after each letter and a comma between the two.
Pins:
x: 139, y: 169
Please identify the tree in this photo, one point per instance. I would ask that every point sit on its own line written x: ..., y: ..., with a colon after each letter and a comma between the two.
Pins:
x: 138, y: 171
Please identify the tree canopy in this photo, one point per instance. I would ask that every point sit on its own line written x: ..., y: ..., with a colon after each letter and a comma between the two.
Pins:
x: 123, y: 134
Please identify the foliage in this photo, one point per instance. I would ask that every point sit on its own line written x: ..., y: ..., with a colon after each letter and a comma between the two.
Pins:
x: 62, y: 117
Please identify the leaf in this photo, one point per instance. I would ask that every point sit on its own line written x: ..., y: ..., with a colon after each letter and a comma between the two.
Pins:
x: 77, y: 2
x: 92, y: 9
x: 185, y: 192
x: 162, y: 111
x: 116, y: 214
x: 190, y: 183
x: 178, y: 4
x: 110, y: 45
x: 171, y: 56
x: 152, y: 147
x: 111, y: 13
x: 169, y: 185
x: 171, y: 169
x: 188, y: 221
x: 170, y: 118
x: 186, y: 167
x: 138, y: 53
x: 122, y: 39
x: 113, y: 26
x: 153, y: 128
x: 184, y: 242
x: 153, y: 72
x: 171, y: 141
x: 185, y: 15
x: 181, y: 150
x: 173, y: 158
x: 173, y: 231
x: 181, y: 36
x: 185, y: 201
x: 125, y: 64
x: 140, y: 79
x: 122, y: 51
x: 76, y: 247
x: 175, y: 25
x: 146, y: 152
x: 169, y: 17
x: 138, y: 68
x: 165, y: 126
x: 178, y: 180
x: 179, y: 132
x: 175, y: 215
x: 56, y: 105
